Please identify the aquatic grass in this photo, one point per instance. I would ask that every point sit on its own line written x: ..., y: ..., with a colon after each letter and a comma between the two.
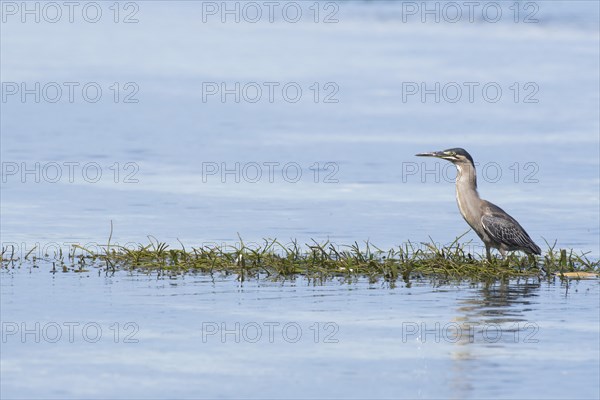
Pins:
x: 320, y: 261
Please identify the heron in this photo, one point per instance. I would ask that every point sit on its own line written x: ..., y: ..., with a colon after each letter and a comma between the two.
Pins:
x: 492, y: 224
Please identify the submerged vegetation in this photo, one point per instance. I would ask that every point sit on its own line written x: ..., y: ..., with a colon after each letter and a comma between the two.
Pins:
x: 316, y: 261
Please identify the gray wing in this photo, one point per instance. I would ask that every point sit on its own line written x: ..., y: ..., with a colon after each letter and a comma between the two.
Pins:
x: 504, y: 229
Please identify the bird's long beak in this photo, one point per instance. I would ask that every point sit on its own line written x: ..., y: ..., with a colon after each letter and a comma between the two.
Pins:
x: 431, y: 154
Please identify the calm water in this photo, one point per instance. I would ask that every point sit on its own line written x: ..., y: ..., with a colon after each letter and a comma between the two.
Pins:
x: 167, y: 158
x: 539, y: 161
x: 216, y: 338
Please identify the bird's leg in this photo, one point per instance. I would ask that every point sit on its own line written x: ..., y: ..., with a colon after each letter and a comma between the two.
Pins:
x: 503, y: 253
x: 488, y: 253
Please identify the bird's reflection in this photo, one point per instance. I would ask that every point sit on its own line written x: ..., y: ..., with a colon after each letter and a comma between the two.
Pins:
x: 499, y: 303
x: 496, y: 315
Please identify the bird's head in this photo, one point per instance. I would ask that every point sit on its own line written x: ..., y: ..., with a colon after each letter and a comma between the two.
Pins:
x: 456, y: 156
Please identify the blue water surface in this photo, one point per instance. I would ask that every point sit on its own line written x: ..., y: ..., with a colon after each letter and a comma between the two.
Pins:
x: 158, y: 154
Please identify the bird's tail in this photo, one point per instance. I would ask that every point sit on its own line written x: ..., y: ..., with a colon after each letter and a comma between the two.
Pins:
x: 535, y: 249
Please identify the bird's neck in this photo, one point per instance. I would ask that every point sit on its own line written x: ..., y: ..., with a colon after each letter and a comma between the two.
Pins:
x: 466, y: 193
x: 466, y: 178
